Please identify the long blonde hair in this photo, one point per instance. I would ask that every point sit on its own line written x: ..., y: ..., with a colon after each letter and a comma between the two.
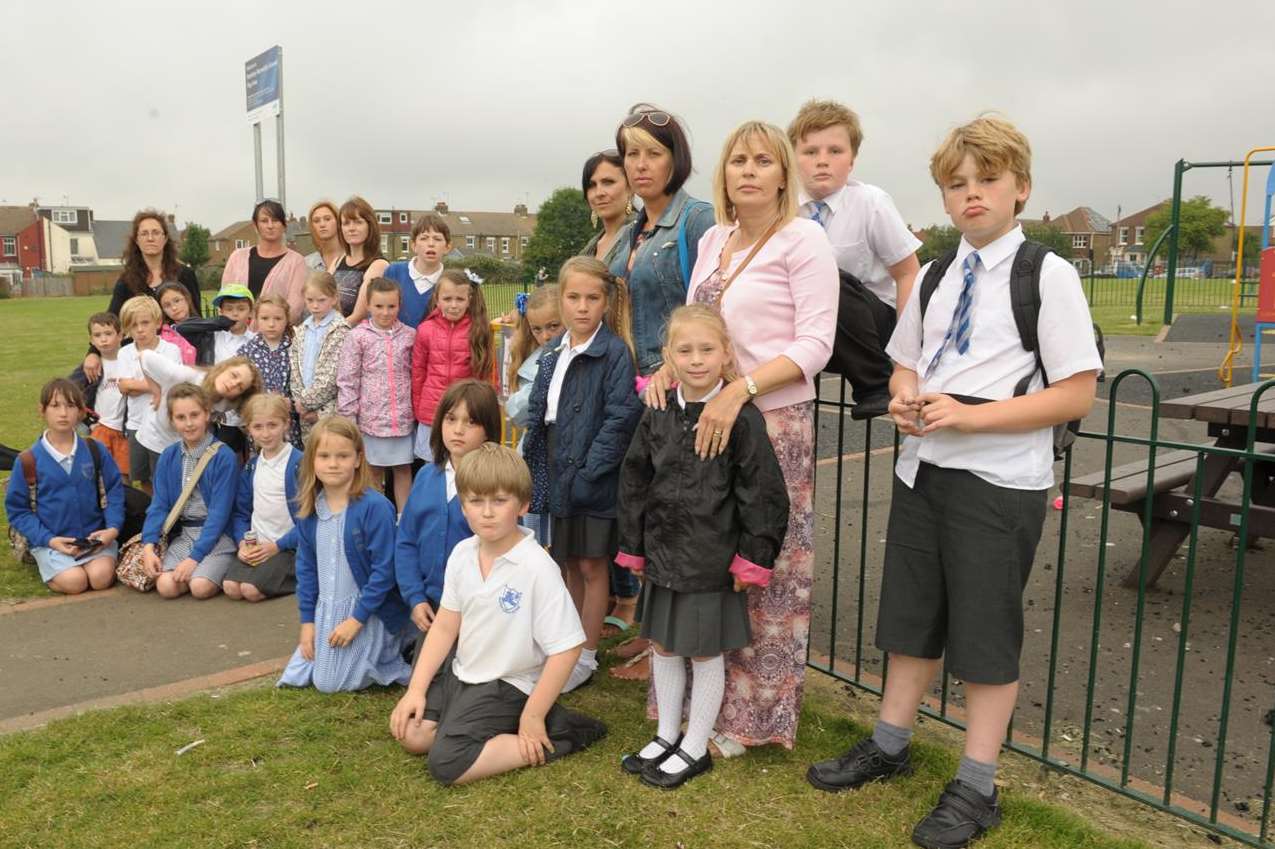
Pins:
x: 308, y: 483
x: 524, y: 341
x: 618, y: 316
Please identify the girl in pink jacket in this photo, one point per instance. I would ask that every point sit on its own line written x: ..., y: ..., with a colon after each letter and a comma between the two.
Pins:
x: 374, y: 380
x: 452, y: 343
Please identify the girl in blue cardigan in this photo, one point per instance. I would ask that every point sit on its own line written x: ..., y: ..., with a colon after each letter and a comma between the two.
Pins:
x: 199, y: 552
x: 264, y: 523
x: 73, y: 529
x: 431, y: 525
x: 354, y: 625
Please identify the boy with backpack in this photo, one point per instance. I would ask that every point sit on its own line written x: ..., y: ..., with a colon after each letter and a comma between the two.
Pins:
x: 977, y: 400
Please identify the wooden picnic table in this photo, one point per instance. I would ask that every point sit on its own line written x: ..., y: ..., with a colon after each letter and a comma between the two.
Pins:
x: 1227, y: 413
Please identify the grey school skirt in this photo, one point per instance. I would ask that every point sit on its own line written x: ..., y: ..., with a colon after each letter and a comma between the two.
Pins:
x: 694, y: 624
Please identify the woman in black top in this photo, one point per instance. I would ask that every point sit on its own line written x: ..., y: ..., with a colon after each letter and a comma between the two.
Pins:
x: 150, y: 260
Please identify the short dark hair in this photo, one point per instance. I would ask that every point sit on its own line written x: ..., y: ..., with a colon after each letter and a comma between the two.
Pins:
x: 481, y: 404
x: 69, y: 390
x: 671, y: 135
x: 430, y: 221
x: 591, y: 164
x: 272, y: 208
x: 110, y: 319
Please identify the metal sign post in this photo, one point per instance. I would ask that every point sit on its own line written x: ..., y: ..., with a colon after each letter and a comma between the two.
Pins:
x: 263, y: 78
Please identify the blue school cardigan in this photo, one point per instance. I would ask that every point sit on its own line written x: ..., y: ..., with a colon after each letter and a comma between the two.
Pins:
x: 241, y: 522
x: 217, y: 485
x: 65, y: 505
x: 428, y: 531
x: 369, y: 551
x: 413, y: 305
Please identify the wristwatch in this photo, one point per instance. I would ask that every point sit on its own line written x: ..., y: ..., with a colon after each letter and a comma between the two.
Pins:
x: 752, y: 386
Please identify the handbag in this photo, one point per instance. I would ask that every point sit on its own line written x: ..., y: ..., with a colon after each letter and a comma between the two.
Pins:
x: 129, y: 569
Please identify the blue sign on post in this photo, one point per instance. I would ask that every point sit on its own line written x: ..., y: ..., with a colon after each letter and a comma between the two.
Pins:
x: 262, y: 75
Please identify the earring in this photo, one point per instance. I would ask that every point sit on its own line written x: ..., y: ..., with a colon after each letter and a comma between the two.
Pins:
x: 593, y: 218
x: 628, y: 207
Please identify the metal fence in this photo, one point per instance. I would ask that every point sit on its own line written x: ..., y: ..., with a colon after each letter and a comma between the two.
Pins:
x: 1188, y: 292
x: 1171, y: 715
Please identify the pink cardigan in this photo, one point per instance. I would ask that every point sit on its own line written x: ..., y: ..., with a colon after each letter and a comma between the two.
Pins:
x: 287, y: 278
x: 784, y: 303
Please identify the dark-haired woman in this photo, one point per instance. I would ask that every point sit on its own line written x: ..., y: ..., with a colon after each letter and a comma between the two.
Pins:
x: 150, y: 260
x: 657, y: 162
x: 270, y: 267
x: 610, y: 200
x: 362, y: 261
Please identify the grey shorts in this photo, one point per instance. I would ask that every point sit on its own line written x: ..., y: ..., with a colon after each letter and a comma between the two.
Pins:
x: 141, y: 460
x: 468, y: 715
x: 958, y: 554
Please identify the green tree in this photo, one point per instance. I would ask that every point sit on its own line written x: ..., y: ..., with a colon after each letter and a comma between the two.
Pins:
x: 1051, y: 237
x: 562, y: 228
x: 1199, y: 223
x: 195, y: 245
x: 938, y: 241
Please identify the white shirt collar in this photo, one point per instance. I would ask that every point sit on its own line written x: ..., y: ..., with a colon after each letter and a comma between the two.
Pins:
x: 993, y: 253
x: 712, y: 393
x: 280, y: 459
x: 55, y: 453
x: 583, y: 346
x: 449, y: 479
x: 418, y: 276
x: 835, y: 201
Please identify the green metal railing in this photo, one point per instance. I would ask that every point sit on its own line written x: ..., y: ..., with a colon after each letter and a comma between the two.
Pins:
x: 1130, y: 776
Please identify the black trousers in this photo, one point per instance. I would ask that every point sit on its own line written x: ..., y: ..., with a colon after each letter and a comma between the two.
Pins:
x: 864, y: 326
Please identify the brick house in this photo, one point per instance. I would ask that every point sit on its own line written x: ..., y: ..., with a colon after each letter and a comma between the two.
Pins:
x: 503, y: 235
x: 1090, y: 233
x: 229, y: 239
x: 14, y: 220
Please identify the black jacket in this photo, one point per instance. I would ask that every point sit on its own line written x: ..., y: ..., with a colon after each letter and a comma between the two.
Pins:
x: 597, y: 412
x: 200, y: 333
x: 690, y: 517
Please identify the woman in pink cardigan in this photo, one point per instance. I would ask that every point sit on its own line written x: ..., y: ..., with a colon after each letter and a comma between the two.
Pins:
x: 773, y: 277
x: 270, y: 267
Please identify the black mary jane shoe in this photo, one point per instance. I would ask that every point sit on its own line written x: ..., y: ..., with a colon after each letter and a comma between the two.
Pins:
x: 634, y: 764
x: 654, y: 776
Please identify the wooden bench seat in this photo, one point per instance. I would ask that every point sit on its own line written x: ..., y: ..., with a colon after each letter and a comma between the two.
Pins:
x: 1129, y: 482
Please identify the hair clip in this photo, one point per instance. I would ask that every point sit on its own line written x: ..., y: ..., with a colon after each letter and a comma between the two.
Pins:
x: 473, y: 278
x: 520, y: 303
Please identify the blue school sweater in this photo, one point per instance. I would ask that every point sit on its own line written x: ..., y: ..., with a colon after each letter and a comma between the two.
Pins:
x: 428, y: 531
x: 217, y: 485
x: 369, y: 552
x: 413, y: 305
x: 241, y: 522
x: 65, y: 505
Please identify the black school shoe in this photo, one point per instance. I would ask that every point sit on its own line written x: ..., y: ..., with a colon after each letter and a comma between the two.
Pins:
x: 962, y: 816
x: 863, y: 763
x: 654, y: 776
x: 574, y: 732
x: 634, y: 764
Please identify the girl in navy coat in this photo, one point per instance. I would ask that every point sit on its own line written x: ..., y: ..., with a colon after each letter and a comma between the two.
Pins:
x: 432, y: 523
x: 264, y: 523
x: 199, y: 552
x: 79, y: 504
x: 581, y: 417
x: 353, y: 622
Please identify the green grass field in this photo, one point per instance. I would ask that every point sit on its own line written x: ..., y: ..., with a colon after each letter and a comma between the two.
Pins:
x: 287, y: 768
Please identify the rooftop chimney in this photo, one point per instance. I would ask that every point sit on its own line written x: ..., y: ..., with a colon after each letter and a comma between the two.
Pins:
x: 441, y: 207
x: 520, y: 210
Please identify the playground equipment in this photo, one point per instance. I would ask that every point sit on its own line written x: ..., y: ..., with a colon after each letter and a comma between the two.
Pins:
x: 1266, y: 277
x: 1226, y: 369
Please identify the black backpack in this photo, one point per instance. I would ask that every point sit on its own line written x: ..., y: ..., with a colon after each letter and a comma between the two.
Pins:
x: 1024, y: 294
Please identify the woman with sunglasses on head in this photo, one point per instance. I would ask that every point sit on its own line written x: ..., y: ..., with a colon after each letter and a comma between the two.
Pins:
x: 606, y: 190
x: 270, y: 267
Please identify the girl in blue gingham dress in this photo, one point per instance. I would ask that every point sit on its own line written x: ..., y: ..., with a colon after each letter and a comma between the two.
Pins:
x: 270, y: 351
x: 354, y: 624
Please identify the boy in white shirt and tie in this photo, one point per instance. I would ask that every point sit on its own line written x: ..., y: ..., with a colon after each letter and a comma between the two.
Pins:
x: 972, y: 476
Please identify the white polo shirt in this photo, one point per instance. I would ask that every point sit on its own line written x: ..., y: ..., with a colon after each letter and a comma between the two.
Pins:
x: 422, y: 281
x: 512, y: 621
x: 566, y: 353
x: 994, y: 363
x: 111, y: 403
x: 868, y: 235
x: 270, y: 516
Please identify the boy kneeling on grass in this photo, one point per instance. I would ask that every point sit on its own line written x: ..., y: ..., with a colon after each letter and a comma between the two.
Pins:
x: 972, y: 476
x: 491, y: 707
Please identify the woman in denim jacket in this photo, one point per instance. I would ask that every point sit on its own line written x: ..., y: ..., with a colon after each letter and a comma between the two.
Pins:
x: 657, y: 162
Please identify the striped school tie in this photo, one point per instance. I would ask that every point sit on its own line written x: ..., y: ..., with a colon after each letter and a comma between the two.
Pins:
x: 818, y: 209
x: 958, y: 331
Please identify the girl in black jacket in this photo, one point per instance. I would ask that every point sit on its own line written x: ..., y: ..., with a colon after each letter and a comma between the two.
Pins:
x: 702, y: 532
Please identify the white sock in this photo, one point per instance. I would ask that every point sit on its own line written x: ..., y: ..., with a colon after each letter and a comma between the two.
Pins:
x: 708, y: 684
x: 668, y: 673
x: 584, y: 667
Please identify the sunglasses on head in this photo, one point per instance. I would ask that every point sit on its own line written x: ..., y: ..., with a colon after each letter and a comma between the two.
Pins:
x: 654, y: 117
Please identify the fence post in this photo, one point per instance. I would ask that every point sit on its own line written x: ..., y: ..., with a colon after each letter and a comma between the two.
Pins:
x: 1171, y: 267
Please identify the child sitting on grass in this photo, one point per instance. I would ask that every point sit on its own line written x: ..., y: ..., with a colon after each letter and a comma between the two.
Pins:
x: 482, y: 700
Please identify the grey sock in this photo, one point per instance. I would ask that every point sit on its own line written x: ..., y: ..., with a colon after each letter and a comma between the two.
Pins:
x: 980, y: 776
x: 890, y: 739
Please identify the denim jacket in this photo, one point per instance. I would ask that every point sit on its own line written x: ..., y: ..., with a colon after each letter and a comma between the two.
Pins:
x: 655, y: 283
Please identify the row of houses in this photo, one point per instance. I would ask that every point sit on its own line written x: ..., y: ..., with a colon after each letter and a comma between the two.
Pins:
x: 37, y: 239
x: 503, y: 235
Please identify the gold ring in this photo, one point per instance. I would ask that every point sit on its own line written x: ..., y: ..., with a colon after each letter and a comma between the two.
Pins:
x: 717, y: 433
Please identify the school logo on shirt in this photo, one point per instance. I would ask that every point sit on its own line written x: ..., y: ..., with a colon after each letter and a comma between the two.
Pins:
x: 510, y: 599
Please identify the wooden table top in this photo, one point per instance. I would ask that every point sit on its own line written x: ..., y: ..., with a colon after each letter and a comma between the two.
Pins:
x: 1223, y: 406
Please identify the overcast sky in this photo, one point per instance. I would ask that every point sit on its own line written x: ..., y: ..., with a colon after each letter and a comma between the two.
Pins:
x: 124, y: 104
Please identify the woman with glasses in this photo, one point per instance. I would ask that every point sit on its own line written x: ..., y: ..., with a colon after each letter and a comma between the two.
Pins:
x: 660, y: 249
